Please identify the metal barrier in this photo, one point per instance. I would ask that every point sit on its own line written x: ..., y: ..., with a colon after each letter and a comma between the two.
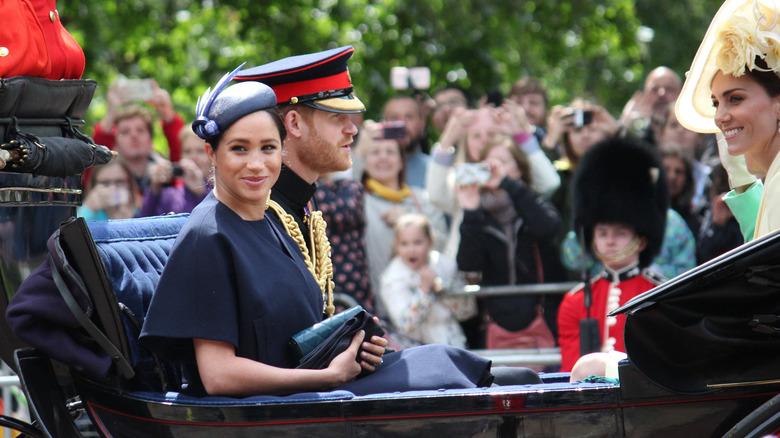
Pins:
x: 522, y: 357
x: 516, y: 289
x: 519, y: 357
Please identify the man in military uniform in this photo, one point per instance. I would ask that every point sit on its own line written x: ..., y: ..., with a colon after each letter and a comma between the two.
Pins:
x: 315, y: 98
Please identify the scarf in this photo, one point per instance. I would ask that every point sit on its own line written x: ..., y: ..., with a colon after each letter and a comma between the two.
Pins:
x: 392, y: 195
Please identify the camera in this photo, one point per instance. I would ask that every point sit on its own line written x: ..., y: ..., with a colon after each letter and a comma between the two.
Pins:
x: 392, y: 130
x: 177, y: 170
x: 472, y: 173
x: 416, y: 78
x: 581, y: 118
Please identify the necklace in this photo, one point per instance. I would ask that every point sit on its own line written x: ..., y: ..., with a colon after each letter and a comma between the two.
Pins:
x: 318, y: 257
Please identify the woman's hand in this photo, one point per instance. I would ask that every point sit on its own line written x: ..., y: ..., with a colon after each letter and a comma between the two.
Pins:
x: 193, y: 177
x: 512, y: 119
x: 160, y: 175
x: 372, y: 353
x: 603, y: 119
x: 391, y: 215
x: 344, y: 367
x: 556, y: 126
x: 455, y: 129
x: 497, y: 173
x: 468, y: 196
x: 161, y: 100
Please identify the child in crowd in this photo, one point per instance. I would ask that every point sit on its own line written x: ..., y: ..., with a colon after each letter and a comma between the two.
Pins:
x: 413, y: 286
x: 620, y: 208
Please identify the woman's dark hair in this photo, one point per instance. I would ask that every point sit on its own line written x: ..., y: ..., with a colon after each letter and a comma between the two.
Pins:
x: 214, y: 141
x: 682, y: 202
x: 767, y: 79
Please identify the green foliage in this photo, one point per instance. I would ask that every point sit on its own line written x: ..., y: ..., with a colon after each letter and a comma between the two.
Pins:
x: 579, y: 48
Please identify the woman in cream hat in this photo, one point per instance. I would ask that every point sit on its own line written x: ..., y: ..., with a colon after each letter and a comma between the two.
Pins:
x: 733, y: 89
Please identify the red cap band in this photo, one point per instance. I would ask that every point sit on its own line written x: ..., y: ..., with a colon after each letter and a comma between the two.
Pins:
x: 284, y: 92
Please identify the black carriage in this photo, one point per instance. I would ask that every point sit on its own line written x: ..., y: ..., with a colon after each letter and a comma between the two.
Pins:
x: 703, y: 348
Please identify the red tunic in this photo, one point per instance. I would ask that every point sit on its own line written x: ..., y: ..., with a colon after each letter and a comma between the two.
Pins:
x: 65, y: 54
x: 622, y: 287
x: 33, y: 42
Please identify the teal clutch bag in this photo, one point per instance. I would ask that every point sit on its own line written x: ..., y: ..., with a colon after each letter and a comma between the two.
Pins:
x: 303, y: 342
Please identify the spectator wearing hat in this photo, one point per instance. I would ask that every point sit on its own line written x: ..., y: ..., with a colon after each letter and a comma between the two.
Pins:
x: 128, y: 128
x: 315, y: 98
x: 620, y: 213
x: 733, y: 90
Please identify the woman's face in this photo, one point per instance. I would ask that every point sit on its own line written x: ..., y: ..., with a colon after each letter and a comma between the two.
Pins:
x: 383, y: 162
x: 482, y: 129
x: 247, y: 164
x: 582, y: 138
x: 412, y: 246
x: 674, y: 132
x: 674, y: 167
x: 507, y: 160
x: 748, y: 118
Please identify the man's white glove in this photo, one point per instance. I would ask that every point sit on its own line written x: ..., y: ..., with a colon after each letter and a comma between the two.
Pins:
x: 735, y: 165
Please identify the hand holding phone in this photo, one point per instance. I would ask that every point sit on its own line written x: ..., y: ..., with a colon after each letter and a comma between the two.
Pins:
x: 472, y: 173
x: 135, y: 90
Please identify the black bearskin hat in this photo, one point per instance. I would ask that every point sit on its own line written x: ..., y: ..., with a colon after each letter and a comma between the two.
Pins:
x: 620, y: 180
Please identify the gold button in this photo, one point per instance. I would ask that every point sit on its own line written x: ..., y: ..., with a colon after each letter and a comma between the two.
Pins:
x: 4, y: 51
x: 52, y: 16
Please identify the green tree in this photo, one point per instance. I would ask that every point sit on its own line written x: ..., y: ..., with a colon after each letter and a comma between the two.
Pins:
x: 597, y: 49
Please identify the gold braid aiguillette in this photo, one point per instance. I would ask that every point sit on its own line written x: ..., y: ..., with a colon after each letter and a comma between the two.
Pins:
x: 318, y: 259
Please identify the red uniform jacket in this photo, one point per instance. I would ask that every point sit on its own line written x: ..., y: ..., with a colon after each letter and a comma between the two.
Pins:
x: 610, y: 290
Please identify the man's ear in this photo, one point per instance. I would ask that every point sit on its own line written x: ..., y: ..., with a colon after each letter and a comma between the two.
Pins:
x: 642, y: 244
x: 293, y: 121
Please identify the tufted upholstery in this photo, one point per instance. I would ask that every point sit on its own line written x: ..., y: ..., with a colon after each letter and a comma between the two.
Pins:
x: 134, y: 252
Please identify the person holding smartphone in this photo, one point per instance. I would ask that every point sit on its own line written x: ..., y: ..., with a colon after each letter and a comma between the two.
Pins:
x: 506, y: 236
x: 179, y: 187
x: 128, y: 127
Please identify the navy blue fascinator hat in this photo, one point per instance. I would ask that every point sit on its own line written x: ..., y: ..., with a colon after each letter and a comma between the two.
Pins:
x: 218, y: 109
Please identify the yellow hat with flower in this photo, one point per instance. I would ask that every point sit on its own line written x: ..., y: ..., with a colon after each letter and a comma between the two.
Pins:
x: 741, y: 31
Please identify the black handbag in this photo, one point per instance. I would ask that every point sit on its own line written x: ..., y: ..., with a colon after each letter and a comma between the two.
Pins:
x: 317, y: 345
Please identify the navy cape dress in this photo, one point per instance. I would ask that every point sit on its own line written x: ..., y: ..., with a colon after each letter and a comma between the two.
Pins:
x: 246, y: 283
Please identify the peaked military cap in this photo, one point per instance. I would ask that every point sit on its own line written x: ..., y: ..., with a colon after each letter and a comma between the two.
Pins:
x: 320, y: 80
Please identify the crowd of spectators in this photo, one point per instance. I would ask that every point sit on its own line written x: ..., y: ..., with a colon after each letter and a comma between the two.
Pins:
x: 493, y: 181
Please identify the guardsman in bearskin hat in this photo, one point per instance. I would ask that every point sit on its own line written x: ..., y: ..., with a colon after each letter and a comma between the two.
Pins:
x: 620, y: 203
x: 315, y: 98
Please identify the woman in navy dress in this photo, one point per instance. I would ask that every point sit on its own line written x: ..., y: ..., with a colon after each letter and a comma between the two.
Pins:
x: 236, y: 288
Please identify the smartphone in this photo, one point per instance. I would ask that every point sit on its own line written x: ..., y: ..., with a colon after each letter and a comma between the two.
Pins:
x: 582, y: 118
x: 494, y: 97
x: 472, y: 173
x: 392, y: 130
x: 416, y: 78
x: 135, y: 90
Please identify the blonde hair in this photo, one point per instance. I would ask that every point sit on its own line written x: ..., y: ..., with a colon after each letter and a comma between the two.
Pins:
x: 412, y: 220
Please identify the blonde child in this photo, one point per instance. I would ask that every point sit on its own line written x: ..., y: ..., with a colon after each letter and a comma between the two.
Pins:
x: 414, y: 283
